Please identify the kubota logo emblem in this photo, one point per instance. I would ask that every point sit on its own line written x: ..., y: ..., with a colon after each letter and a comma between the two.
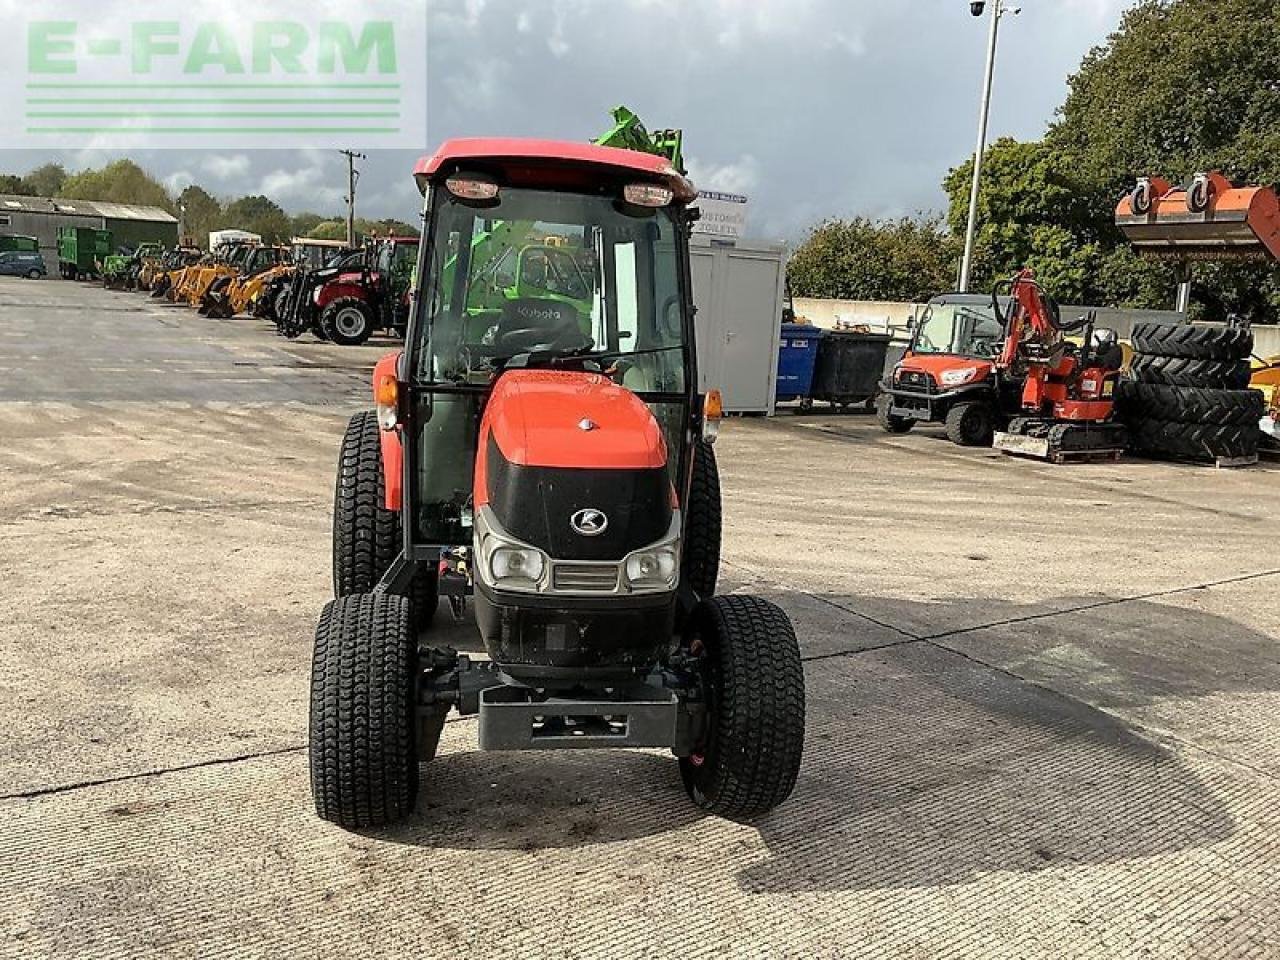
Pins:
x: 589, y: 523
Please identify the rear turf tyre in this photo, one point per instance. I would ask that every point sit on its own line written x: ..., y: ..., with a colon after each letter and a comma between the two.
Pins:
x: 971, y: 424
x: 33, y: 274
x: 754, y: 683
x: 366, y: 536
x: 348, y: 322
x: 888, y: 422
x: 1153, y: 401
x: 1186, y: 372
x: 1195, y: 343
x: 700, y: 565
x: 363, y: 721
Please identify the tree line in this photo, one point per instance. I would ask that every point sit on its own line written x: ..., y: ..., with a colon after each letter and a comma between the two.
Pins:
x: 199, y: 211
x: 1182, y: 86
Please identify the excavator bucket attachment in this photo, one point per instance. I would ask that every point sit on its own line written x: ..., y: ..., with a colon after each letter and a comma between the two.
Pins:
x: 1210, y: 219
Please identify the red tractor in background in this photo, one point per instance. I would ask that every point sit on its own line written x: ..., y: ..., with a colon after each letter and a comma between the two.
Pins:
x: 354, y: 305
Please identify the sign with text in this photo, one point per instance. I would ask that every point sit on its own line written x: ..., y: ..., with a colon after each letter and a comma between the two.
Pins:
x: 724, y: 215
x: 288, y: 74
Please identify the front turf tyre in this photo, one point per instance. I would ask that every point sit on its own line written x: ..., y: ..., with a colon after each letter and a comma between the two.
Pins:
x: 888, y: 422
x: 366, y: 536
x: 700, y: 564
x: 363, y: 722
x: 348, y: 322
x: 971, y: 424
x: 753, y: 680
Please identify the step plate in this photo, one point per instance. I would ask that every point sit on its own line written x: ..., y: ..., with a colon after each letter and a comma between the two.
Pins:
x: 510, y: 720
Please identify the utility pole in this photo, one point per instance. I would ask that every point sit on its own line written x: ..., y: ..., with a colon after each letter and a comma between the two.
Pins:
x: 998, y: 10
x: 353, y: 177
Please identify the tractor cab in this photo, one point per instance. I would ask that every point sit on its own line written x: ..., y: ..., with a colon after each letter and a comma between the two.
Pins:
x: 541, y: 446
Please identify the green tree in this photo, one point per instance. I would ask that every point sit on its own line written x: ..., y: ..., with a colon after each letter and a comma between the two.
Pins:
x: 1182, y: 86
x: 260, y: 215
x: 200, y: 212
x: 861, y: 259
x: 329, y: 230
x: 11, y: 184
x: 303, y: 223
x: 45, y: 181
x: 120, y: 182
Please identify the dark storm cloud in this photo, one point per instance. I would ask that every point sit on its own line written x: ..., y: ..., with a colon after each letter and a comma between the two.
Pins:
x: 814, y: 107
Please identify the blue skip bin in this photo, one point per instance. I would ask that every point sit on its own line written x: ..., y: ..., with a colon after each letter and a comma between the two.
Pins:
x: 797, y: 357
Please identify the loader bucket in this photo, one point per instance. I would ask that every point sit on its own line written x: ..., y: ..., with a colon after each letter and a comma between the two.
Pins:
x: 1211, y: 219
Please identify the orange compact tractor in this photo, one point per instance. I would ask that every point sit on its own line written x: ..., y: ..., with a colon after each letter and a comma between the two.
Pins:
x: 1067, y: 405
x: 551, y: 456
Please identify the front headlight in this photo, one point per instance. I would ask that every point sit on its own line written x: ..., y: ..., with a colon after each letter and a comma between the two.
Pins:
x: 516, y: 563
x: 504, y: 562
x: 956, y: 378
x: 653, y: 569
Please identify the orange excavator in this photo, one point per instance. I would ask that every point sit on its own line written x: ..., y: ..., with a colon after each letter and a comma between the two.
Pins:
x: 1068, y: 389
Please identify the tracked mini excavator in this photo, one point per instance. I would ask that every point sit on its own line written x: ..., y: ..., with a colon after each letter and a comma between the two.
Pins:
x: 1068, y: 393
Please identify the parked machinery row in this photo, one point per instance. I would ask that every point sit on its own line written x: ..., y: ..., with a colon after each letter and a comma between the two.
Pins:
x: 336, y: 292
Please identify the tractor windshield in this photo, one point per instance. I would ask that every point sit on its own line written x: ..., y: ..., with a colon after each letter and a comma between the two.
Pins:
x: 548, y: 276
x: 539, y: 278
x: 967, y: 330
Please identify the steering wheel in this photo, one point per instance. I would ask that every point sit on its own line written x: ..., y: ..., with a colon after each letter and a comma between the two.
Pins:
x: 538, y: 339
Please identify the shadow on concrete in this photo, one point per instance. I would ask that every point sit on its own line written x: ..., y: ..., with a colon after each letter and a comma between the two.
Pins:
x: 926, y: 768
x: 505, y: 801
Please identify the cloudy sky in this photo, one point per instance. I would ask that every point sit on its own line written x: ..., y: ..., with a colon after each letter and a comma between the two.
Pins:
x: 813, y: 107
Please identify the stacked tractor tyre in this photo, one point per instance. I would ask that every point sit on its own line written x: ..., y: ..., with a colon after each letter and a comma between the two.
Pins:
x: 1187, y: 397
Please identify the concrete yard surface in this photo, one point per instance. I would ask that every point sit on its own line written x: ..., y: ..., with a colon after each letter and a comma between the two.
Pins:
x: 1042, y: 701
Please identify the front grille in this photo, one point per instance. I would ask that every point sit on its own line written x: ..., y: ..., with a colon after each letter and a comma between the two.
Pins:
x: 916, y: 380
x: 585, y: 578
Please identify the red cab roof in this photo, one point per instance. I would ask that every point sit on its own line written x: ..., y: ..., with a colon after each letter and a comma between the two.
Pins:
x: 510, y: 152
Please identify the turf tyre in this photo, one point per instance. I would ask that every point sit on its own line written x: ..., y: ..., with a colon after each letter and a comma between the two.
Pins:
x: 754, y: 682
x: 700, y: 563
x: 366, y: 536
x: 363, y: 724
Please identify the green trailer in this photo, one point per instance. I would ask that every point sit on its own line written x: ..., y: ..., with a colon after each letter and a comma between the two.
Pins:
x: 82, y: 252
x: 18, y: 243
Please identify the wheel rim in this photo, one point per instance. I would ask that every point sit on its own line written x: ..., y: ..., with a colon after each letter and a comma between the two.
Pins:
x: 349, y: 322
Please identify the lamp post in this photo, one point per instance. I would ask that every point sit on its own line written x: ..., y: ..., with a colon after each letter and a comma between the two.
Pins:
x: 998, y: 10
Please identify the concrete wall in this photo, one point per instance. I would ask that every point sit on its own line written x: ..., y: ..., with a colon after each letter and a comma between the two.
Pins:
x: 880, y: 316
